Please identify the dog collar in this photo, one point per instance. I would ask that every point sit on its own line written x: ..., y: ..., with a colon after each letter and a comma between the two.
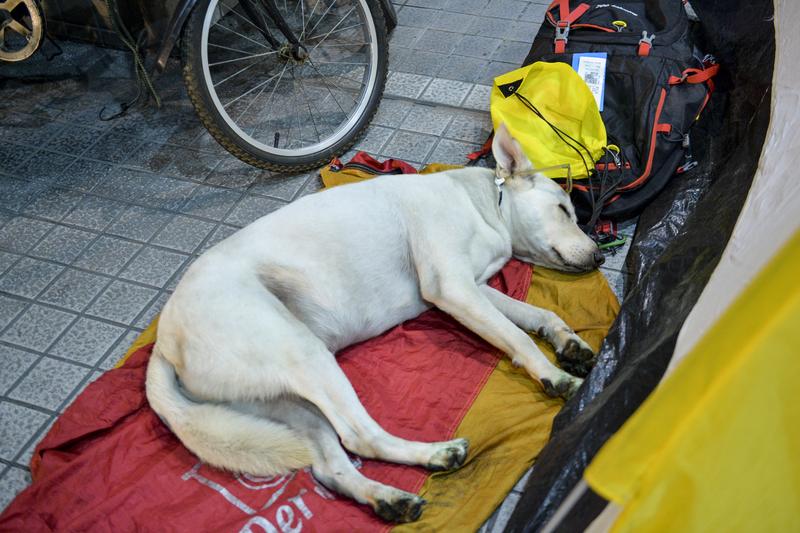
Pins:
x: 498, y: 182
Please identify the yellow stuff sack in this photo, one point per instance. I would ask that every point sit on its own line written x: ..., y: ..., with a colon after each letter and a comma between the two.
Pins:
x: 564, y: 100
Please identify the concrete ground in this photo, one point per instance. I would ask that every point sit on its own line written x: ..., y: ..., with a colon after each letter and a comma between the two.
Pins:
x: 99, y: 219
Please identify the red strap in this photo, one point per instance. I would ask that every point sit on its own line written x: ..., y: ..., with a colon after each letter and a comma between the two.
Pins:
x: 483, y: 151
x: 560, y: 46
x: 663, y: 128
x: 564, y: 14
x: 695, y: 75
x: 644, y: 48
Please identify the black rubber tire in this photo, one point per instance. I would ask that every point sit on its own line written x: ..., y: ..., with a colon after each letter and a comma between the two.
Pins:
x: 240, y: 148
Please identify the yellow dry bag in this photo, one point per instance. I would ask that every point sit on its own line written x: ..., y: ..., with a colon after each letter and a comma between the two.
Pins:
x: 550, y: 110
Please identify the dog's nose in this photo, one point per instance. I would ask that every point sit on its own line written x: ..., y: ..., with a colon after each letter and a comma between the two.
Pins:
x: 598, y: 257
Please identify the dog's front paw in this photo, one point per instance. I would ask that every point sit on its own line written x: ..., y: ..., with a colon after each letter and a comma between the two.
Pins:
x: 400, y: 508
x: 579, y: 369
x: 575, y: 356
x: 565, y: 387
x: 450, y: 457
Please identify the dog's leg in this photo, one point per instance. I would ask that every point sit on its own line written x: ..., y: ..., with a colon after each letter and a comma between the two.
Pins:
x: 574, y: 355
x: 457, y: 294
x: 332, y: 467
x: 328, y: 388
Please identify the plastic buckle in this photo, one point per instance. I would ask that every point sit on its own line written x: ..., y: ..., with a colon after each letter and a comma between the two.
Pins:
x: 562, y: 36
x: 687, y: 167
x: 646, y: 43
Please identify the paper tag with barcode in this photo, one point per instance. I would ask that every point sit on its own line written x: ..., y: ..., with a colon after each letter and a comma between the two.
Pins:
x: 592, y: 68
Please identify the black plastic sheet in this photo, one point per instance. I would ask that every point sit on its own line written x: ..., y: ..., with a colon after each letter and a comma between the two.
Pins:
x: 678, y: 243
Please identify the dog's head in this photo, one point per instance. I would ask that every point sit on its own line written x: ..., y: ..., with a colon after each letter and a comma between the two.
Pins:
x: 544, y: 229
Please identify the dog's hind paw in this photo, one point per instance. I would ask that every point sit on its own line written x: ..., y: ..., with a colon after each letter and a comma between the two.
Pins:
x: 580, y: 369
x: 405, y: 507
x: 565, y: 387
x: 575, y: 350
x: 450, y: 457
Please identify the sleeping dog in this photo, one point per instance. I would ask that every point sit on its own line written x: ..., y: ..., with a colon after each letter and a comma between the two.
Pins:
x: 244, y: 371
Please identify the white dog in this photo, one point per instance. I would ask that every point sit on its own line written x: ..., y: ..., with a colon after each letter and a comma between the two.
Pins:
x: 252, y: 328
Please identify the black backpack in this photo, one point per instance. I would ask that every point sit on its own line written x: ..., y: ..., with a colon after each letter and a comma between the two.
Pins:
x: 656, y: 86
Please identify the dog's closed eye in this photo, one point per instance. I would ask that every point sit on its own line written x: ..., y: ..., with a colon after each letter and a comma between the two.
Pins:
x: 564, y: 209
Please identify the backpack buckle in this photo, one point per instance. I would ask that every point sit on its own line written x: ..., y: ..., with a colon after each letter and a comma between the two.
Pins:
x: 562, y: 36
x: 646, y: 43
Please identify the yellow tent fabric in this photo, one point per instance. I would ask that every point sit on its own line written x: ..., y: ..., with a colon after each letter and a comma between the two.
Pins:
x: 509, y: 422
x: 564, y: 99
x: 715, y: 447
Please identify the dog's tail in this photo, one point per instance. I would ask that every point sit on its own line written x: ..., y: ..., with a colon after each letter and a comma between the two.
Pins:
x: 220, y: 435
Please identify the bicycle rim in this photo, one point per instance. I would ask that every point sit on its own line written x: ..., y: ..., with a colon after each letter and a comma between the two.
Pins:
x: 279, y: 104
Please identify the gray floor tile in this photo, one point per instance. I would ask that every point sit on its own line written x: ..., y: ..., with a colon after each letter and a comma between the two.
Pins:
x: 183, y: 234
x: 478, y: 98
x: 74, y: 289
x: 452, y: 152
x: 457, y: 22
x: 14, y: 481
x: 16, y: 194
x: 466, y: 6
x: 17, y: 425
x: 83, y: 175
x: 234, y: 174
x: 113, y: 147
x: 252, y: 208
x: 374, y: 139
x: 470, y: 127
x: 139, y: 223
x: 74, y: 139
x: 191, y: 164
x: 87, y: 341
x: 151, y: 156
x: 523, y: 31
x: 442, y: 42
x: 392, y: 112
x: 422, y: 62
x: 95, y: 213
x: 404, y: 36
x: 21, y: 234
x: 476, y: 46
x: 406, y: 85
x: 181, y: 272
x: 497, y: 68
x: 28, y: 277
x: 11, y: 157
x: 25, y: 457
x: 107, y: 255
x: 416, y: 17
x: 53, y: 203
x: 427, y: 119
x: 535, y: 12
x: 507, y: 9
x: 49, y: 383
x: 511, y: 52
x: 121, y: 302
x: 286, y: 186
x: 119, y: 350
x: 63, y: 244
x: 37, y: 327
x: 468, y: 69
x: 449, y: 92
x: 152, y: 311
x: 9, y: 309
x: 409, y: 146
x: 45, y: 165
x: 218, y: 235
x: 13, y: 363
x: 153, y: 266
x: 211, y: 202
x: 616, y: 281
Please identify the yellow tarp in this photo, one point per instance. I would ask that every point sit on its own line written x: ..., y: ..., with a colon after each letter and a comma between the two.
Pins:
x: 717, y: 446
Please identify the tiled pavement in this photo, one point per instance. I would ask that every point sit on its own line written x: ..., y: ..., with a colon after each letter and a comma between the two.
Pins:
x: 98, y: 220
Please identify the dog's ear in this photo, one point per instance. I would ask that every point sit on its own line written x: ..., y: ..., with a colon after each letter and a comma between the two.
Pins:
x: 508, y: 153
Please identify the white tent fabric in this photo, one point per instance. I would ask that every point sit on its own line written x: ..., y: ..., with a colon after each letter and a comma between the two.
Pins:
x: 771, y: 214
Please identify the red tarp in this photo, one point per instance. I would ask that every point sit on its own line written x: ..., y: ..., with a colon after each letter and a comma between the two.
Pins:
x: 110, y: 464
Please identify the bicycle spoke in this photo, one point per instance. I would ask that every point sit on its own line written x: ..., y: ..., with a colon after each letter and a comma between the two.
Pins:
x: 310, y: 113
x: 242, y: 36
x: 322, y: 78
x: 325, y: 14
x: 334, y: 83
x: 339, y: 63
x: 229, y: 48
x: 331, y: 33
x: 247, y: 20
x: 251, y: 90
x: 271, y: 96
x: 310, y: 14
x: 241, y: 58
x: 251, y: 65
x: 335, y: 45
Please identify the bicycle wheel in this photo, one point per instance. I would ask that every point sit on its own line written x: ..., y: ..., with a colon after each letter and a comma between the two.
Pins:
x: 278, y: 105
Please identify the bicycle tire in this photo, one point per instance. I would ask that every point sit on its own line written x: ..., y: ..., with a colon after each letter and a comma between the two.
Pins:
x: 235, y: 144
